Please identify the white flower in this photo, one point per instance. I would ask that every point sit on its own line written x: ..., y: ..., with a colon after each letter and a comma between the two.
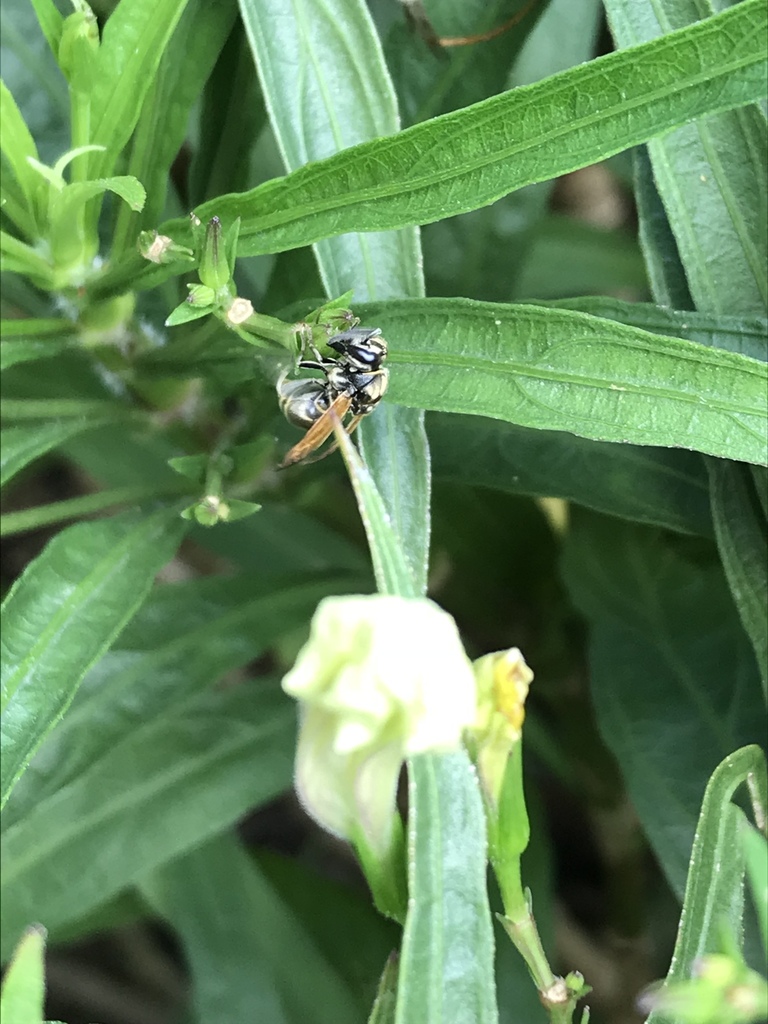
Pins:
x: 381, y: 678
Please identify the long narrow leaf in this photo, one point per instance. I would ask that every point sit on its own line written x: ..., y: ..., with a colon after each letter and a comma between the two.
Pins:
x: 469, y: 158
x: 466, y: 159
x: 23, y: 994
x: 132, y: 45
x: 20, y: 445
x: 187, y: 61
x: 182, y: 640
x: 673, y: 677
x: 446, y: 965
x: 559, y: 370
x: 658, y: 486
x: 742, y: 538
x: 743, y: 334
x: 63, y: 613
x: 252, y: 945
x: 712, y: 177
x: 17, y: 146
x: 669, y: 285
x: 165, y: 787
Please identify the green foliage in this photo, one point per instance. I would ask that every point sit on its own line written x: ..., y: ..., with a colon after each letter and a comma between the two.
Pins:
x: 142, y: 647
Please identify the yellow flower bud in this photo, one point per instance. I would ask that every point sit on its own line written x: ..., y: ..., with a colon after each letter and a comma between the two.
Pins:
x: 503, y: 680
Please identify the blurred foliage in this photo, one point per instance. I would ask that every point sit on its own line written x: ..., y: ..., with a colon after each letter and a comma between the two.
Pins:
x: 556, y: 212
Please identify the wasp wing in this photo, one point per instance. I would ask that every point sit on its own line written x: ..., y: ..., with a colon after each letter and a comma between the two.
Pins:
x: 319, y: 432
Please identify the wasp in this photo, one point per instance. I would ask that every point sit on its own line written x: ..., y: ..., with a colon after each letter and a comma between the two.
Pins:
x: 353, y: 383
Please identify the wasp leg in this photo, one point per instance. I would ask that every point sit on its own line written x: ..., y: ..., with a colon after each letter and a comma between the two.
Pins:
x: 310, y: 364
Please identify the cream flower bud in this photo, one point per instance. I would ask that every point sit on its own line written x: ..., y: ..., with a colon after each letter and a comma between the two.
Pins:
x: 380, y: 678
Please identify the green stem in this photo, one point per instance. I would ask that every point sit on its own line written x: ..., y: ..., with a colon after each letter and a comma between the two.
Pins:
x: 80, y: 115
x: 525, y: 936
x: 271, y: 329
x: 58, y: 511
x: 59, y: 408
x: 34, y: 328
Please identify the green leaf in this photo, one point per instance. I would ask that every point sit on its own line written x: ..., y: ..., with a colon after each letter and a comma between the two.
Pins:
x: 446, y: 963
x: 17, y: 145
x: 29, y: 350
x: 741, y: 334
x: 335, y: 104
x: 183, y: 775
x: 673, y: 677
x: 184, y: 638
x: 185, y: 312
x: 67, y: 211
x: 385, y: 1004
x: 666, y: 274
x: 469, y: 158
x: 63, y: 613
x: 74, y: 196
x: 23, y: 995
x: 21, y: 445
x: 714, y: 890
x: 232, y: 118
x: 133, y: 42
x: 742, y: 539
x: 51, y: 22
x: 26, y: 340
x: 217, y: 883
x: 33, y: 76
x: 660, y: 487
x: 26, y: 326
x: 712, y: 177
x: 47, y: 408
x: 13, y: 204
x: 19, y: 258
x: 558, y: 370
x: 186, y: 64
x: 255, y: 938
x: 756, y: 863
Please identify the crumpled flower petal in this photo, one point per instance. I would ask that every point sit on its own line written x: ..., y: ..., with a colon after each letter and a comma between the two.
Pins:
x: 380, y: 678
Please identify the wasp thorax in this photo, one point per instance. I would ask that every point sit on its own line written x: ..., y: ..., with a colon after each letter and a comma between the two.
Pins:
x: 361, y: 348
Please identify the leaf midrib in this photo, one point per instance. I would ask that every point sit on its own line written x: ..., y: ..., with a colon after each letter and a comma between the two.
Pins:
x: 516, y: 370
